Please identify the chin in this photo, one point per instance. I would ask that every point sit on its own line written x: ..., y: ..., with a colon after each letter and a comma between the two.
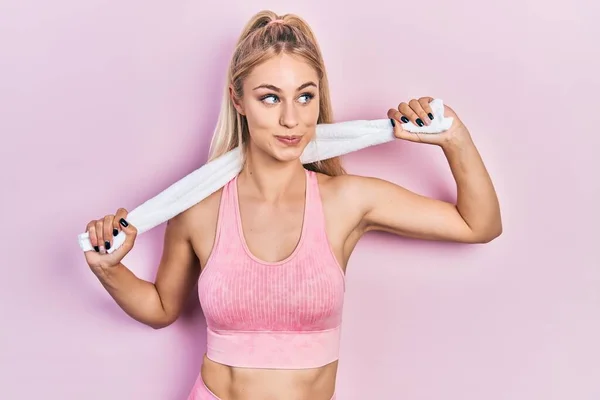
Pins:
x: 287, y: 152
x: 287, y: 155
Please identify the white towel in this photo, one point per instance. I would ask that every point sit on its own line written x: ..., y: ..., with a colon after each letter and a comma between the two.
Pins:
x: 331, y: 140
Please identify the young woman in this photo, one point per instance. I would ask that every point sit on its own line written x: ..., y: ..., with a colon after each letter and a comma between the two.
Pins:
x: 269, y: 250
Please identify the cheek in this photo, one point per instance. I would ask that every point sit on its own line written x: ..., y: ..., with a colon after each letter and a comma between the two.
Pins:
x: 261, y: 122
x: 310, y: 116
x: 260, y: 117
x: 311, y: 112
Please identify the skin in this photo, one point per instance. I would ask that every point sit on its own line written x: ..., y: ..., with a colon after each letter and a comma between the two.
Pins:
x: 271, y: 194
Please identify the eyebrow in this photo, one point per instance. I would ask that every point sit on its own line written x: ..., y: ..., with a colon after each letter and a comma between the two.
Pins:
x: 276, y: 89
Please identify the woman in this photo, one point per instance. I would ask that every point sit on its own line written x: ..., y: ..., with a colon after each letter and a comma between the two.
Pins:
x: 269, y: 250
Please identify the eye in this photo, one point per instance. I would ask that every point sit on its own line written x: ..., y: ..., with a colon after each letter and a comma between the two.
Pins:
x: 269, y: 96
x: 307, y: 96
x: 273, y: 99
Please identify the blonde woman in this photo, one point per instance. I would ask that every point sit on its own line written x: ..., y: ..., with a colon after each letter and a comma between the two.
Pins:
x: 269, y: 250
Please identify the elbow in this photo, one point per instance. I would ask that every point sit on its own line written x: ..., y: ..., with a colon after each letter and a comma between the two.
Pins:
x: 161, y: 323
x: 489, y: 234
x: 158, y: 325
x: 489, y: 238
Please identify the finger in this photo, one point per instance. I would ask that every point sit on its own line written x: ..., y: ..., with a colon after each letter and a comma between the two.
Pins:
x: 108, y: 231
x: 130, y: 232
x: 396, y: 118
x: 399, y: 132
x: 408, y: 113
x: 130, y: 235
x: 100, y: 235
x: 91, y: 230
x: 418, y: 109
x: 120, y: 214
x: 424, y: 102
x: 398, y: 115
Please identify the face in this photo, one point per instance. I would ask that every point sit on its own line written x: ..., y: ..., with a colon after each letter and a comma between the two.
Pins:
x: 281, y: 105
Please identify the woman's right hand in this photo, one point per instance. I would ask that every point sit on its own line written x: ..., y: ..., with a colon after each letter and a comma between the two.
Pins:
x: 102, y: 232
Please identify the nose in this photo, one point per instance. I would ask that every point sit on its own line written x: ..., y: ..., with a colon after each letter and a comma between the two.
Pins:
x: 289, y: 115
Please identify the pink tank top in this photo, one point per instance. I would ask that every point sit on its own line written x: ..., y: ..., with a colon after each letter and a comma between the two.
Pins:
x: 284, y: 315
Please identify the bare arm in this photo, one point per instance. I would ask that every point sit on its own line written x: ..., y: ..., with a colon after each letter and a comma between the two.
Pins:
x: 475, y: 218
x: 154, y: 304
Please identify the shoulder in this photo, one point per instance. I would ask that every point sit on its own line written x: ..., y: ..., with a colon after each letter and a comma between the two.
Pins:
x: 361, y: 194
x: 204, y: 214
x: 350, y: 188
x: 346, y: 202
x: 346, y: 195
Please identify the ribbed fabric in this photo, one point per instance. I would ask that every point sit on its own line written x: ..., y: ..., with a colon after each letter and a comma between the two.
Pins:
x: 284, y: 314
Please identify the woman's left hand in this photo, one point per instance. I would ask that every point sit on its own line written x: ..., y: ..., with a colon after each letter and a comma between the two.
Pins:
x: 419, y: 113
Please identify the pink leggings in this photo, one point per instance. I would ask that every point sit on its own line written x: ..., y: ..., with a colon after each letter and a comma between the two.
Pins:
x: 201, y: 392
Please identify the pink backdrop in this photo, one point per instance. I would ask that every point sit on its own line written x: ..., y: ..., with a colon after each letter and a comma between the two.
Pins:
x: 105, y: 103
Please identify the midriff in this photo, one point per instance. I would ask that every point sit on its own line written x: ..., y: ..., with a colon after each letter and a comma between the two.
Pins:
x: 234, y: 383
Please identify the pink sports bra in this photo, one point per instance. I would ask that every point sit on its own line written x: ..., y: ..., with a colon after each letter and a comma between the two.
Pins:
x: 284, y: 315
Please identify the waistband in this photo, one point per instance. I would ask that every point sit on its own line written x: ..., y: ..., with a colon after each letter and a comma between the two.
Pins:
x: 269, y: 349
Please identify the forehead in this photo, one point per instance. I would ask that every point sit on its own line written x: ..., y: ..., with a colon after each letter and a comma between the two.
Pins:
x: 284, y: 71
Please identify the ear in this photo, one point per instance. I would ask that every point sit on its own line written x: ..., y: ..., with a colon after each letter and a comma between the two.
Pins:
x: 239, y: 108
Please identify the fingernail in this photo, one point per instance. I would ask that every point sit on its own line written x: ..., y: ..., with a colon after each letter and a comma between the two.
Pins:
x: 101, y: 250
x: 107, y: 245
x: 419, y: 122
x: 115, y: 232
x: 404, y: 119
x: 123, y: 222
x: 430, y: 115
x: 392, y: 121
x: 97, y: 249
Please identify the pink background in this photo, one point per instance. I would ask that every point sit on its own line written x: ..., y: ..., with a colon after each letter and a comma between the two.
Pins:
x: 105, y: 103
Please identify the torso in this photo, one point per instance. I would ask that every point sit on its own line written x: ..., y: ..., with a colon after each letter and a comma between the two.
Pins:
x: 272, y: 234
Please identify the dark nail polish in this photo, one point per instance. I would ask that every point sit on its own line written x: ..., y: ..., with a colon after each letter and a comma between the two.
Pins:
x: 97, y: 249
x: 115, y: 232
x: 392, y: 121
x: 430, y: 115
x: 404, y: 119
x: 123, y: 222
x: 419, y: 122
x: 107, y: 245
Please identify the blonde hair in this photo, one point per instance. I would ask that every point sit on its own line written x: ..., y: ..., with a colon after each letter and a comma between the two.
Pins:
x: 264, y: 36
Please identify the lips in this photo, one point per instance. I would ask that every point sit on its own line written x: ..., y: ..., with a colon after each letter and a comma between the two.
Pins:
x: 289, y: 140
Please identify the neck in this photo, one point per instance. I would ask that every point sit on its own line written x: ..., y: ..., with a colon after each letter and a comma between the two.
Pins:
x: 269, y: 179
